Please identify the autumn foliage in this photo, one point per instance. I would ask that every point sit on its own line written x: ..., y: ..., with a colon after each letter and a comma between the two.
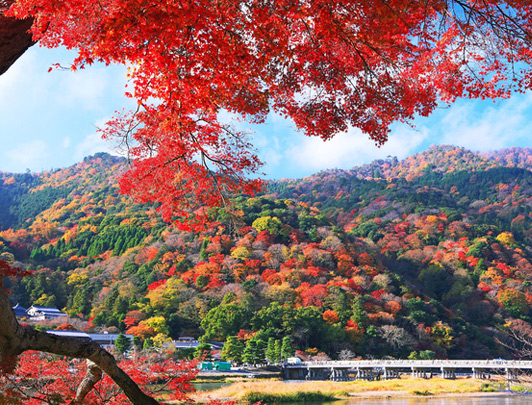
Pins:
x: 40, y: 378
x: 388, y: 265
x: 326, y: 65
x: 6, y: 270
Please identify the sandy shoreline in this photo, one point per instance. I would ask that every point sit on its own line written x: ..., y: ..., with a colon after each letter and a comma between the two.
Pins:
x: 406, y: 394
x: 401, y: 388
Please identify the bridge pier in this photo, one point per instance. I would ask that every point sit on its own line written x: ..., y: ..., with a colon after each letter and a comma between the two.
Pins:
x: 511, y: 375
x: 364, y: 374
x: 419, y: 372
x: 389, y: 374
x: 294, y: 373
x: 448, y: 373
x: 318, y: 374
x: 338, y: 375
x: 480, y: 374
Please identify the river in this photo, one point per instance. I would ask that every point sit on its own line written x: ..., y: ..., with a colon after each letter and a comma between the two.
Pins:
x: 492, y: 400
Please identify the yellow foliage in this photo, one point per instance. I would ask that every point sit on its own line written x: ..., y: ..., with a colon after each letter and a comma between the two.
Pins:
x: 241, y: 253
x: 157, y: 323
x: 77, y: 279
x: 160, y: 339
x: 506, y: 238
x: 7, y: 257
x: 442, y: 334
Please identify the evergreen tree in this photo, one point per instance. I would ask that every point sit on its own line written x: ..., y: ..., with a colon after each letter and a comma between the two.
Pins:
x: 203, y: 255
x: 118, y: 247
x: 286, y: 348
x: 270, y: 350
x: 148, y: 344
x: 137, y: 342
x: 255, y: 351
x: 81, y: 304
x: 233, y: 350
x: 249, y: 352
x: 204, y: 350
x: 278, y: 351
x: 261, y: 351
x: 360, y: 315
x: 120, y: 306
x: 122, y: 343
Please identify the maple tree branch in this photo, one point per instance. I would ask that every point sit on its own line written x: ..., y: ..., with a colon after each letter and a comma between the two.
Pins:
x: 92, y: 377
x: 520, y: 342
x: 14, y: 37
x: 16, y: 339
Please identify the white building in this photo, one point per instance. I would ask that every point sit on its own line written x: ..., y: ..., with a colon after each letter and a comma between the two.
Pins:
x: 38, y: 313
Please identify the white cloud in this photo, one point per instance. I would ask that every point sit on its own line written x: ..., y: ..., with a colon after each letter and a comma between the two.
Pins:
x: 56, y: 108
x: 92, y: 144
x: 22, y: 83
x: 28, y: 155
x: 494, y: 127
x: 351, y: 149
x: 87, y: 88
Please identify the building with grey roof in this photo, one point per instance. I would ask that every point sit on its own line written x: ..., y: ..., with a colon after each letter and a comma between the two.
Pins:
x: 38, y: 313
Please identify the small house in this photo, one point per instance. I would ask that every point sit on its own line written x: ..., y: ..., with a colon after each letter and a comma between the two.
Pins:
x: 38, y: 313
x: 205, y: 365
x: 222, y: 365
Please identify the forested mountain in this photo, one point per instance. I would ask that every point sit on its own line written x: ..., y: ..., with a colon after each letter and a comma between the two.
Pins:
x: 429, y: 253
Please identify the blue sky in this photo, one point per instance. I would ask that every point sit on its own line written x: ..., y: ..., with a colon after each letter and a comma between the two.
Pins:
x: 49, y: 120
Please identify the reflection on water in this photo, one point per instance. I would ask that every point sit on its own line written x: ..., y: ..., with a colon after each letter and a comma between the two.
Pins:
x: 209, y: 386
x: 491, y: 400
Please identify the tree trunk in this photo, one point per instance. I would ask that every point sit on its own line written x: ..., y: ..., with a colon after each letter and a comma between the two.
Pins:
x: 14, y: 37
x: 94, y: 374
x: 15, y: 339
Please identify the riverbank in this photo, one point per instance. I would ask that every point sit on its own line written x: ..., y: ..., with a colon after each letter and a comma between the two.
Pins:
x: 237, y: 375
x: 306, y: 391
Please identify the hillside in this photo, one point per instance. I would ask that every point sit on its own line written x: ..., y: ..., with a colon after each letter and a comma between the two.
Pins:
x: 428, y: 253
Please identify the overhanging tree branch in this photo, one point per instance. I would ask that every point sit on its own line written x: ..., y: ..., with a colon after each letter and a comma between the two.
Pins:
x: 15, y: 38
x: 16, y: 339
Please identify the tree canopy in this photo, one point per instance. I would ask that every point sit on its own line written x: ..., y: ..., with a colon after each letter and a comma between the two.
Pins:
x: 327, y: 65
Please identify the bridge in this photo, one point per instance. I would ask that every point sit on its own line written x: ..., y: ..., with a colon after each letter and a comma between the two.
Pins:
x: 388, y: 369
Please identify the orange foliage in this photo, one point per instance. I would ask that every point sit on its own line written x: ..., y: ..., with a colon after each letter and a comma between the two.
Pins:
x: 330, y: 316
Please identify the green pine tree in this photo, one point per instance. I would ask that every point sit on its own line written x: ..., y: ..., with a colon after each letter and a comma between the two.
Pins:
x: 286, y: 348
x: 278, y: 351
x: 204, y: 351
x: 122, y: 343
x: 270, y: 350
x: 203, y: 254
x: 250, y: 350
x: 360, y: 316
x: 260, y: 354
x: 148, y: 344
x: 233, y: 350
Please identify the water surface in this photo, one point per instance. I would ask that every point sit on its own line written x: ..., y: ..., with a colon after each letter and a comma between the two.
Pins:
x: 209, y: 386
x: 486, y: 400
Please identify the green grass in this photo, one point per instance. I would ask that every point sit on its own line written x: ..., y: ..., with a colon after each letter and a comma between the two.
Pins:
x: 487, y: 387
x: 424, y: 393
x: 267, y: 398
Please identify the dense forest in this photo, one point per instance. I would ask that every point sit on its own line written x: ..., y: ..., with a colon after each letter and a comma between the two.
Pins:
x: 394, y: 258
